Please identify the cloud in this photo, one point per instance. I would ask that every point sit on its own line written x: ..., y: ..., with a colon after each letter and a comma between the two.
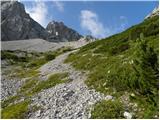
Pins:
x: 59, y: 5
x: 39, y: 12
x: 91, y: 23
x: 123, y: 22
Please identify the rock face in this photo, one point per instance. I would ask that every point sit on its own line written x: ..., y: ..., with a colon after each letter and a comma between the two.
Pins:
x: 89, y: 38
x: 58, y: 32
x: 16, y: 24
x: 155, y: 12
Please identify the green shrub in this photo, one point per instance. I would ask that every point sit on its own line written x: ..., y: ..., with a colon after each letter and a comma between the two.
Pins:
x: 9, y: 101
x: 50, y: 56
x: 12, y: 57
x: 8, y: 55
x: 16, y: 111
x: 107, y: 110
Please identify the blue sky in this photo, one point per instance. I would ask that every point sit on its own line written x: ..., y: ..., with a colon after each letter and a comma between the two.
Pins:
x: 100, y: 19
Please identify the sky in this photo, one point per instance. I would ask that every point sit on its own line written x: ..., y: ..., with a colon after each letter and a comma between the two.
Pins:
x: 97, y: 18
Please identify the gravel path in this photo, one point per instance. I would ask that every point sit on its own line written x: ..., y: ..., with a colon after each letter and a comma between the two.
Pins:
x: 67, y: 100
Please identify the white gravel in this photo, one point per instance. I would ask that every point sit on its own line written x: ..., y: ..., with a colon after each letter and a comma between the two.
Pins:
x: 68, y: 100
x: 38, y: 45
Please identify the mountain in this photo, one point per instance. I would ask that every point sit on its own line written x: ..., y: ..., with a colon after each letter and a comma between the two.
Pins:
x: 60, y: 32
x: 126, y: 66
x: 155, y: 12
x: 89, y: 38
x: 16, y: 24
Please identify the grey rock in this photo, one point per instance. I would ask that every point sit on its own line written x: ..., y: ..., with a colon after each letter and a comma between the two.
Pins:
x: 58, y: 32
x: 16, y: 24
x: 89, y: 38
x: 127, y: 115
x: 9, y: 86
x: 155, y: 12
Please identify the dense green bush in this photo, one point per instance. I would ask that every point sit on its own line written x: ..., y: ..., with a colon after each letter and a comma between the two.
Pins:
x: 108, y: 110
x: 50, y: 56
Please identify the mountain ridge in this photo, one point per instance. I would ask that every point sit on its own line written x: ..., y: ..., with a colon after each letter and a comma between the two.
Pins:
x: 17, y: 24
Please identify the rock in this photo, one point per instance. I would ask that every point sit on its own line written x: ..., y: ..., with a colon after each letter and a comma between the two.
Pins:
x: 89, y: 38
x: 58, y: 32
x: 127, y: 115
x: 109, y: 97
x: 155, y: 12
x: 16, y: 24
x: 132, y: 95
x: 38, y: 113
x: 9, y: 86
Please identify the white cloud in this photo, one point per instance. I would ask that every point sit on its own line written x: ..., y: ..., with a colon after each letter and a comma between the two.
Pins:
x: 39, y: 12
x: 123, y: 22
x: 59, y: 5
x: 91, y: 23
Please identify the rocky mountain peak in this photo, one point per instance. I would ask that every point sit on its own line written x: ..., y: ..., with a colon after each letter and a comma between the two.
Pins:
x: 155, y: 12
x: 55, y: 22
x: 9, y: 6
x: 16, y: 24
x: 58, y: 31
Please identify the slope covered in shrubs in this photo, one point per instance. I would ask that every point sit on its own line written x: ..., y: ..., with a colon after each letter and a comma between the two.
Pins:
x: 125, y: 62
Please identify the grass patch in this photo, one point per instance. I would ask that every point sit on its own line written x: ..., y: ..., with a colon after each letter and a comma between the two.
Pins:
x: 51, y: 82
x: 147, y: 111
x: 9, y: 101
x: 28, y: 85
x: 16, y: 111
x: 52, y: 55
x: 25, y: 73
x: 107, y: 110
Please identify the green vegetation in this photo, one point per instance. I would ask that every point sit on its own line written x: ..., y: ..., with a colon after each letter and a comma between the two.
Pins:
x: 148, y: 109
x: 52, y: 81
x: 28, y: 85
x: 107, y: 110
x: 125, y: 62
x: 12, y: 58
x: 26, y: 63
x: 15, y: 111
x: 52, y: 55
x: 9, y: 101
